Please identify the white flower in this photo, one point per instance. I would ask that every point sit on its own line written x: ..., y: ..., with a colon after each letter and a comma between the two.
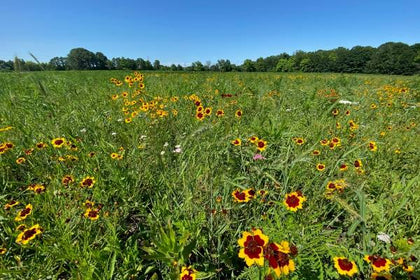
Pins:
x: 143, y: 136
x: 83, y: 130
x: 384, y: 237
x: 347, y: 102
x: 113, y: 133
x: 162, y: 153
x: 178, y: 150
x: 166, y: 144
x: 120, y: 120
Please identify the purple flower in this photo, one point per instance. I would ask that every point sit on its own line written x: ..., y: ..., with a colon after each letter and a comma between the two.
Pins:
x: 258, y: 157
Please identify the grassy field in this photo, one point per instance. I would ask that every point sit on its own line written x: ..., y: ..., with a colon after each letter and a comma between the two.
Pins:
x: 116, y: 175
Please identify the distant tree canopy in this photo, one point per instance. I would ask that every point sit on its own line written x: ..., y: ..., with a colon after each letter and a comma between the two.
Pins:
x: 389, y: 58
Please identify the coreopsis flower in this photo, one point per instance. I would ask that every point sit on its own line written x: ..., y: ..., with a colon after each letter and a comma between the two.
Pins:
x: 278, y: 258
x: 21, y: 227
x: 353, y: 125
x: 220, y: 113
x: 316, y: 152
x: 88, y: 204
x: 372, y: 146
x: 378, y: 263
x: 188, y: 273
x: 299, y: 141
x: 58, y: 142
x: 380, y: 276
x: 3, y: 250
x: 37, y: 188
x: 67, y: 179
x: 88, y: 181
x: 199, y: 116
x: 21, y: 160
x: 345, y: 266
x: 343, y: 167
x: 261, y: 145
x: 320, y: 167
x: 252, y: 247
x: 335, y: 112
x: 11, y: 204
x: 336, y: 141
x: 324, y: 142
x: 403, y: 263
x: 92, y: 214
x: 250, y: 192
x: 236, y: 142
x: 24, y: 213
x: 41, y: 145
x: 358, y: 163
x: 253, y: 139
x: 28, y: 234
x: 207, y: 111
x: 238, y: 113
x: 240, y: 196
x: 294, y: 201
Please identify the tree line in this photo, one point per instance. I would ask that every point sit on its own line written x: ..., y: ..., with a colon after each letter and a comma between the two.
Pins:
x: 389, y: 58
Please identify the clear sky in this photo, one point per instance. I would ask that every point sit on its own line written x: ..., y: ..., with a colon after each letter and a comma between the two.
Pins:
x: 189, y: 30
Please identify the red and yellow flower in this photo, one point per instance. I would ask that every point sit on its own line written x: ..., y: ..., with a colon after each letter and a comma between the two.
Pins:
x: 236, y: 142
x: 261, y: 145
x: 238, y: 113
x: 378, y: 263
x: 320, y: 167
x: 11, y: 204
x: 252, y: 247
x: 21, y: 160
x: 24, y: 213
x: 188, y: 273
x: 345, y: 266
x: 88, y: 182
x: 381, y: 276
x: 3, y: 251
x: 294, y: 201
x: 240, y: 196
x: 372, y: 146
x: 28, y: 234
x: 299, y: 141
x: 58, y: 142
x: 278, y: 258
x: 92, y: 214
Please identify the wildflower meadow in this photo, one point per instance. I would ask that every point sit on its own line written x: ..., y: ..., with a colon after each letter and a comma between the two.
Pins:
x: 160, y: 175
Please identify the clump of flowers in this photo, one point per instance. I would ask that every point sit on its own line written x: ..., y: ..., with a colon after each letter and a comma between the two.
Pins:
x: 333, y: 187
x: 36, y: 188
x: 344, y: 266
x: 255, y: 248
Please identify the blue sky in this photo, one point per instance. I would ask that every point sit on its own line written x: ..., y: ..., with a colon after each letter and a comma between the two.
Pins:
x: 186, y: 31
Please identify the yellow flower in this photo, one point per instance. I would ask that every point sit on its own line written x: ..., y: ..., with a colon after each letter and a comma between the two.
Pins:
x: 345, y: 266
x: 252, y: 244
x: 28, y: 234
x: 58, y: 142
x: 188, y: 273
x: 294, y: 201
x: 24, y: 213
x: 236, y: 142
x: 92, y: 214
x: 378, y: 263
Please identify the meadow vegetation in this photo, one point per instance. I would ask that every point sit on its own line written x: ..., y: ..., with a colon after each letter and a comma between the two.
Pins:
x: 122, y: 175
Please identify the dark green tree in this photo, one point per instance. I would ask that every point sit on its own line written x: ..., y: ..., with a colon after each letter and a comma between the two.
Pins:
x: 81, y: 59
x: 58, y: 63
